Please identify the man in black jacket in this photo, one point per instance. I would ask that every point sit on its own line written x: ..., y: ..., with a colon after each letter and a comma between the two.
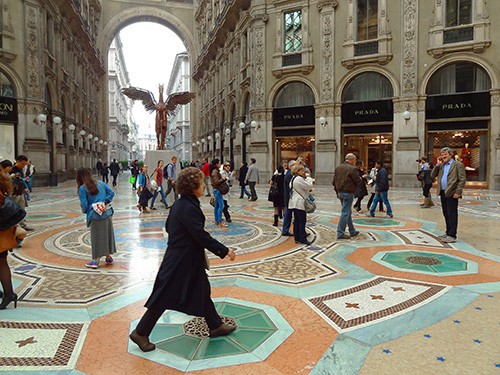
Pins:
x: 287, y: 217
x: 114, y: 168
x: 381, y: 189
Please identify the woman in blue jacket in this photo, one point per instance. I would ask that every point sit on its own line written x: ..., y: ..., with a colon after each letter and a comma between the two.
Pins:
x: 95, y: 197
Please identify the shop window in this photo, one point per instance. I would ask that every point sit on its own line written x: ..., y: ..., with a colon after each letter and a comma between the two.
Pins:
x: 368, y: 38
x: 458, y: 78
x: 370, y: 148
x: 469, y: 146
x: 368, y: 86
x: 459, y: 26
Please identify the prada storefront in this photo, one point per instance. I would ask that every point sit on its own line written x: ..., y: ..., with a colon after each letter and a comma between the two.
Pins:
x: 460, y: 121
x: 367, y: 131
x: 293, y: 130
x: 8, y: 121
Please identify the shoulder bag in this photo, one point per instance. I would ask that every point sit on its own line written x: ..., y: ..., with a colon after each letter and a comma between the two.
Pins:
x: 11, y: 214
x: 309, y: 205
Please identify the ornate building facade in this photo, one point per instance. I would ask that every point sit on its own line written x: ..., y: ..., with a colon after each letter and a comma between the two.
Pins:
x: 122, y: 127
x: 179, y: 129
x: 390, y: 81
x: 53, y: 77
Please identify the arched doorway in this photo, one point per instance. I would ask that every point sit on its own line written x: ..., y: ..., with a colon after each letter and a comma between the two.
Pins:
x: 293, y: 124
x: 367, y: 119
x: 458, y: 116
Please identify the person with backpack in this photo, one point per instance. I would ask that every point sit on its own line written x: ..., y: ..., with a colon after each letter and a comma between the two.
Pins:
x: 170, y: 174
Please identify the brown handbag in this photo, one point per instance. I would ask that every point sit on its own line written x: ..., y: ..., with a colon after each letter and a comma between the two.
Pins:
x: 8, y: 239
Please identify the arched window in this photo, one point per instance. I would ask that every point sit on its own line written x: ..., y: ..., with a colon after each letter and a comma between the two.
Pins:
x: 458, y: 77
x: 6, y: 86
x: 294, y: 94
x: 366, y: 87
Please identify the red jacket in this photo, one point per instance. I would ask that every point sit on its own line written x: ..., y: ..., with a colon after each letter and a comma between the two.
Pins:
x: 205, y: 169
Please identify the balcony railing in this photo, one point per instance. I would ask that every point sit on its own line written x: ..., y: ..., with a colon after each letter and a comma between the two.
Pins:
x: 295, y: 59
x: 366, y: 48
x: 458, y: 35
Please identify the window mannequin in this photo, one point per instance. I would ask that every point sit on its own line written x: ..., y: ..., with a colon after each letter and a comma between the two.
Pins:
x: 465, y: 155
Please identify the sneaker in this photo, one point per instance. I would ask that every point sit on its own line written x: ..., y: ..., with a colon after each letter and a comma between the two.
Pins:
x: 110, y: 260
x: 356, y: 233
x: 443, y: 236
x: 343, y: 237
x: 449, y: 239
x: 389, y: 216
x: 92, y: 264
x: 153, y: 208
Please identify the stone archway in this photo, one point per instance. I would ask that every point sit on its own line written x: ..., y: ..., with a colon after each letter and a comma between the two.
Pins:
x: 116, y: 15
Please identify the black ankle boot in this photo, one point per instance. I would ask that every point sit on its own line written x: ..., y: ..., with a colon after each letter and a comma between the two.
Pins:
x: 7, y: 300
x: 275, y: 221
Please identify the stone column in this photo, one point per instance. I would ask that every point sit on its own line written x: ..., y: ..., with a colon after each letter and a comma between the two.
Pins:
x: 494, y: 177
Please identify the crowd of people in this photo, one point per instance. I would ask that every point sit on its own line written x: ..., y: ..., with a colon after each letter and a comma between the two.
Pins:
x: 182, y: 282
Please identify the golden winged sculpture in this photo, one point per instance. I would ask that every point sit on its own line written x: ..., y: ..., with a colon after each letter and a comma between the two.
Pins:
x: 162, y: 108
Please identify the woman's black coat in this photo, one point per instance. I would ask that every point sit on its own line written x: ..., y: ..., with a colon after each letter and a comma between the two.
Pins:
x: 361, y: 191
x: 182, y: 283
x: 279, y: 199
x: 242, y: 175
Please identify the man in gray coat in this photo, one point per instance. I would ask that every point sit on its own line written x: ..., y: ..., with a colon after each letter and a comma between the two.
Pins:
x: 450, y: 176
x: 252, y: 178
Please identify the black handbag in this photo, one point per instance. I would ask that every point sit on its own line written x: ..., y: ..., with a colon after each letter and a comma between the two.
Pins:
x: 223, y: 188
x: 11, y: 214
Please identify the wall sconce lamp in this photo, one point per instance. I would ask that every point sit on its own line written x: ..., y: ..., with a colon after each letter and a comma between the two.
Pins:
x: 101, y: 142
x: 105, y: 143
x: 40, y: 119
x: 56, y: 120
x: 194, y: 144
x: 242, y: 125
x: 203, y: 140
x: 227, y: 132
x: 96, y: 139
x: 72, y: 128
x: 217, y: 135
x: 255, y: 125
x: 90, y: 136
x: 198, y: 143
x: 406, y: 116
x: 82, y: 132
x: 323, y: 122
x: 209, y: 137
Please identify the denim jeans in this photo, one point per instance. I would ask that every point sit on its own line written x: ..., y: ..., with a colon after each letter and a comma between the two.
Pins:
x: 287, y: 220
x: 219, y: 206
x: 381, y: 196
x: 346, y: 200
x: 163, y: 198
x: 245, y: 192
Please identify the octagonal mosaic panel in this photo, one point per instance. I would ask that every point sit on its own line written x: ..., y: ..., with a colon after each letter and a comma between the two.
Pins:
x: 183, y: 342
x: 429, y: 263
x: 377, y: 222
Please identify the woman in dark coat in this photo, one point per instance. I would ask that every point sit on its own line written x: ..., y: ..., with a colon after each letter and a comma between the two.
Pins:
x: 361, y: 191
x: 182, y: 283
x: 278, y: 199
x: 241, y: 177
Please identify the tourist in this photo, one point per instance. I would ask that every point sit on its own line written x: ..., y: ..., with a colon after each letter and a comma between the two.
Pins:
x: 242, y: 174
x: 252, y: 178
x: 158, y: 177
x: 300, y: 187
x: 381, y: 190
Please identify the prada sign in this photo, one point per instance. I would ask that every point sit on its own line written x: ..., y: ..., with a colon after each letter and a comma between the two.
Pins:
x: 363, y: 112
x: 293, y: 116
x: 458, y: 105
x: 8, y: 109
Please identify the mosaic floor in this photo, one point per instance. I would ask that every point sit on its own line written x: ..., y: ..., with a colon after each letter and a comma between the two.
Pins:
x: 393, y: 300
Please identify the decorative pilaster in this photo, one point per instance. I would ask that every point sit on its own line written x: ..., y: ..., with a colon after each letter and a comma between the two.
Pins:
x: 410, y: 33
x: 327, y: 56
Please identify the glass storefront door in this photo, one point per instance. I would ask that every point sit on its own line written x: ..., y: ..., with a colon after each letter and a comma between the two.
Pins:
x: 370, y: 148
x: 7, y: 142
x: 290, y: 148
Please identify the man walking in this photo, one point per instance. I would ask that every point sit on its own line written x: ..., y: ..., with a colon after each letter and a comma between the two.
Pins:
x: 252, y: 178
x: 345, y: 182
x: 171, y: 177
x: 450, y: 176
x: 114, y: 168
x: 205, y: 168
x: 381, y: 190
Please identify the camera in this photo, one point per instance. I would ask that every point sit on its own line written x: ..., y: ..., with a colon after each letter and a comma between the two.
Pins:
x: 419, y: 160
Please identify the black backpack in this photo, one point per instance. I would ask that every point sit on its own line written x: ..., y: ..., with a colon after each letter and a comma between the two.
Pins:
x: 165, y: 170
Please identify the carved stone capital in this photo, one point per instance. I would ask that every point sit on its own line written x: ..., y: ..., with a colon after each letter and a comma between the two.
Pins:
x: 325, y: 3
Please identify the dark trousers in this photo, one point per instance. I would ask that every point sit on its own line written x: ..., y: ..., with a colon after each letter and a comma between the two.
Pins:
x: 450, y: 213
x: 357, y: 205
x: 299, y: 225
x: 225, y: 211
x: 149, y: 319
x: 114, y: 179
x: 426, y: 189
x: 252, y: 190
x: 287, y: 220
x: 369, y: 204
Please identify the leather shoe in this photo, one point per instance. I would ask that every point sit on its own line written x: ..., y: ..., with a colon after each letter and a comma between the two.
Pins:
x: 142, y: 341
x: 356, y: 233
x: 307, y: 243
x: 29, y: 229
x: 288, y: 234
x: 223, y: 330
x: 343, y: 237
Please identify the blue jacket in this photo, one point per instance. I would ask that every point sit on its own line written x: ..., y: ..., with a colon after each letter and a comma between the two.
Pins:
x: 382, y: 182
x: 105, y: 194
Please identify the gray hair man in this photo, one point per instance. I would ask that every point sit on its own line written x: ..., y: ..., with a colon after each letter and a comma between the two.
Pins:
x: 345, y: 182
x: 450, y: 176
